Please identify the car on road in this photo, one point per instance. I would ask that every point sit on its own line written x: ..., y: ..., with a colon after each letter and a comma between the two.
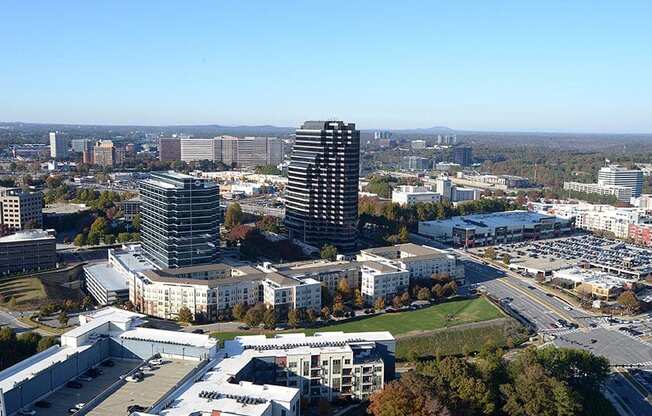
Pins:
x: 243, y: 328
x: 198, y: 331
x: 568, y: 308
x: 550, y: 295
x: 593, y: 340
x: 531, y: 287
x: 74, y: 384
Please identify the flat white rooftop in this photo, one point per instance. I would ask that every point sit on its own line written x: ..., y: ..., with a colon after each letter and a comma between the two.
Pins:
x: 170, y: 337
x: 108, y: 277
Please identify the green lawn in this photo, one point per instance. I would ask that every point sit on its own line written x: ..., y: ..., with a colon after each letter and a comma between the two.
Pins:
x: 427, y: 319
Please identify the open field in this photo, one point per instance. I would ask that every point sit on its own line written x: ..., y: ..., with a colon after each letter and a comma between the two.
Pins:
x: 402, y: 324
x: 25, y: 291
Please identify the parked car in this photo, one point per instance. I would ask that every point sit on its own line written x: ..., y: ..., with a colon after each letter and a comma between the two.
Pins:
x: 135, y: 408
x: 133, y: 378
x: 74, y: 384
x: 156, y: 361
x: 25, y: 412
x: 198, y: 331
x: 85, y: 378
x: 43, y: 404
x: 108, y: 363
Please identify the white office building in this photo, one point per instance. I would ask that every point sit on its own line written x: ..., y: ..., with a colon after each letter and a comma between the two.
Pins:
x: 408, y: 195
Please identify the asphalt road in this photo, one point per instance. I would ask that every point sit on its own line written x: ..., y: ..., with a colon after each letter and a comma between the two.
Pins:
x: 595, y: 333
x: 8, y: 319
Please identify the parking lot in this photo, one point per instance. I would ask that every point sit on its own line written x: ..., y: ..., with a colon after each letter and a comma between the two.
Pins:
x: 65, y: 398
x: 144, y: 393
x: 546, y: 255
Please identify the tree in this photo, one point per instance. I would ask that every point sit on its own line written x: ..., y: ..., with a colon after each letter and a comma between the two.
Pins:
x: 409, y: 396
x: 328, y: 252
x: 123, y: 237
x: 136, y: 221
x: 506, y: 259
x: 338, y: 309
x: 358, y: 301
x: 87, y: 301
x: 294, y: 318
x: 233, y: 216
x: 254, y: 316
x: 45, y: 343
x: 269, y: 318
x: 423, y: 294
x: 490, y: 253
x: 239, y: 311
x: 396, y: 302
x: 379, y: 304
x: 109, y: 239
x: 438, y: 291
x: 343, y: 289
x: 403, y: 235
x: 128, y: 306
x: 405, y: 298
x: 311, y: 315
x: 63, y: 318
x: 629, y: 301
x: 185, y: 315
x: 100, y: 226
x: 325, y: 313
x: 80, y: 240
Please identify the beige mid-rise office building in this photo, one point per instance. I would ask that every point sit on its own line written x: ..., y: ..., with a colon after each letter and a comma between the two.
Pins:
x: 20, y: 209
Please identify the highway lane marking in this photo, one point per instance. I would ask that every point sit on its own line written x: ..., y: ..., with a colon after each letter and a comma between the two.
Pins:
x: 534, y: 299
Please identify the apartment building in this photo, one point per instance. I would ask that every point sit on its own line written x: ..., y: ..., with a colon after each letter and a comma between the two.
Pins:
x: 622, y: 193
x: 599, y: 218
x: 382, y: 279
x: 104, y: 153
x: 328, y: 365
x: 328, y: 273
x: 285, y: 293
x: 25, y: 251
x: 20, y: 209
x: 421, y: 262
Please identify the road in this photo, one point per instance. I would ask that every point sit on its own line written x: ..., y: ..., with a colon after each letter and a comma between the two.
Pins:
x: 597, y: 334
x: 8, y: 319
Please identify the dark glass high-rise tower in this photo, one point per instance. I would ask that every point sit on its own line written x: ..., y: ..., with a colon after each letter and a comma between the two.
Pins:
x: 322, y: 190
x: 180, y: 219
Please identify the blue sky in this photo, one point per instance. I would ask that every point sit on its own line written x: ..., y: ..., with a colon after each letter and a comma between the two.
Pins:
x: 481, y: 65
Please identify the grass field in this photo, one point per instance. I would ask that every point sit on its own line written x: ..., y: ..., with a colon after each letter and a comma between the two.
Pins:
x: 405, y: 323
x: 25, y: 290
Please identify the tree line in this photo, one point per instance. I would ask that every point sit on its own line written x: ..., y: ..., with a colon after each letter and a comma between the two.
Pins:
x: 537, y: 382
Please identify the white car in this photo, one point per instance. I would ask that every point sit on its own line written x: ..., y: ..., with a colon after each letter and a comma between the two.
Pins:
x: 568, y: 308
x: 156, y: 361
x: 133, y: 379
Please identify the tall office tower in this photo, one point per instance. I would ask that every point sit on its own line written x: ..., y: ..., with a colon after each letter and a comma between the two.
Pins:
x: 119, y: 155
x: 20, y: 209
x: 104, y: 153
x: 58, y: 146
x: 197, y: 149
x: 621, y: 176
x: 463, y: 155
x: 88, y: 155
x: 169, y: 148
x: 416, y: 163
x: 322, y: 189
x: 180, y: 219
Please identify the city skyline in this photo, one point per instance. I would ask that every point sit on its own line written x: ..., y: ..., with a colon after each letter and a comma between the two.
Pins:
x: 554, y: 67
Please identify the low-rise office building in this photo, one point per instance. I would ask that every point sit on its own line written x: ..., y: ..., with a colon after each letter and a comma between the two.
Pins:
x: 622, y: 193
x: 29, y: 250
x: 408, y: 195
x: 598, y: 284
